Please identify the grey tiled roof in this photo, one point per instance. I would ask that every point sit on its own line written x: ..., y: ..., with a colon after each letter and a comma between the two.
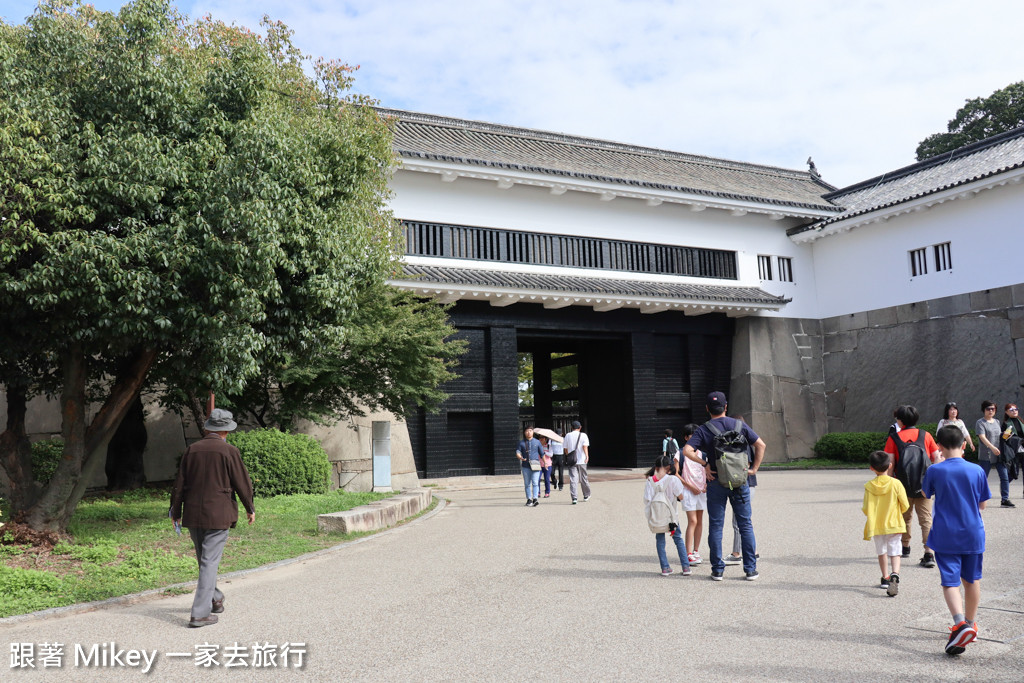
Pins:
x: 989, y: 157
x: 589, y: 286
x: 423, y: 136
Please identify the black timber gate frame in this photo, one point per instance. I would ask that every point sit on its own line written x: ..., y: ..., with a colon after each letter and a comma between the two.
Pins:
x: 639, y: 374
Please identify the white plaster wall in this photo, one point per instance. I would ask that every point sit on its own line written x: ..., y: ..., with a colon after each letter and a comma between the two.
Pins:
x: 869, y: 268
x: 466, y: 201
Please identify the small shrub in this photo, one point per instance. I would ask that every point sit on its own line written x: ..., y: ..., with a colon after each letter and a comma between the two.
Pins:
x: 281, y: 464
x: 46, y: 456
x: 852, y: 447
x: 855, y: 446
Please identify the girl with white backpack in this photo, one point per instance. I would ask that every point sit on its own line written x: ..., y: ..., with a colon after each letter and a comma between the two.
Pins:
x: 664, y: 488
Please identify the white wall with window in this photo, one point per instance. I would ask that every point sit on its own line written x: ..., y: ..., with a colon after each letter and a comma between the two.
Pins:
x: 957, y: 246
x: 466, y: 201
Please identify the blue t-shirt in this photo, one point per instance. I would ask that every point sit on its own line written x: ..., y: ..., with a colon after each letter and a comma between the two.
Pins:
x: 704, y: 439
x: 531, y: 450
x: 958, y: 487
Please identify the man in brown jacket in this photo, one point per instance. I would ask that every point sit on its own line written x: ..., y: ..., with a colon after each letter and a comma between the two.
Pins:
x: 210, y: 475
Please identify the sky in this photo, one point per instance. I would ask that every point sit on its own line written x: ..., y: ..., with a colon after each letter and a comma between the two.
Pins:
x: 854, y: 84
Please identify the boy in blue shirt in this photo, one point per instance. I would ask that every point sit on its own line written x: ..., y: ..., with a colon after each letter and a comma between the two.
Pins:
x: 957, y: 536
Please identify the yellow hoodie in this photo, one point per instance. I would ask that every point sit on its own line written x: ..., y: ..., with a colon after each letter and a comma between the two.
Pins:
x: 885, y: 501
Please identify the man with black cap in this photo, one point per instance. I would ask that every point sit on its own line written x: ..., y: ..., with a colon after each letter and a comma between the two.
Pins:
x: 579, y: 442
x: 211, y: 474
x: 703, y: 440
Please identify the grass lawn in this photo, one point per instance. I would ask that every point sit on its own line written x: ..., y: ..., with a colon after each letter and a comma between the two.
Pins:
x: 814, y: 464
x: 125, y: 543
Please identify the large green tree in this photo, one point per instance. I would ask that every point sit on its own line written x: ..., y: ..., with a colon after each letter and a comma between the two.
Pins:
x: 179, y: 203
x: 393, y: 355
x: 978, y: 119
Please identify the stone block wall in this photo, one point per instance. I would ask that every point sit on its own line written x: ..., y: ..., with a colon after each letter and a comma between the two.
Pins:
x: 964, y: 348
x: 777, y: 384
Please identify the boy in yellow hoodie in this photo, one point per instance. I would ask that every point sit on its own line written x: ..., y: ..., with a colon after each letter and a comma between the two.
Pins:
x: 885, y: 501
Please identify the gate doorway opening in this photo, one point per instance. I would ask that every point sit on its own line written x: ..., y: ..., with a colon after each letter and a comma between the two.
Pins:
x: 562, y: 379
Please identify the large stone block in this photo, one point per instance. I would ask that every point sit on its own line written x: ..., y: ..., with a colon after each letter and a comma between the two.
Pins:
x: 949, y: 306
x: 882, y: 317
x: 1017, y: 328
x: 912, y: 313
x: 999, y: 298
x: 840, y: 342
x: 831, y: 325
x: 803, y: 414
x: 853, y: 321
x: 1017, y: 293
x: 924, y: 364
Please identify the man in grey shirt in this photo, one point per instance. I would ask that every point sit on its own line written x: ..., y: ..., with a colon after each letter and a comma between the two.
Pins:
x: 577, y: 441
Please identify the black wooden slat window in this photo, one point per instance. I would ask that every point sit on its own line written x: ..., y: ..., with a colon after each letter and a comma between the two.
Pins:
x: 488, y: 244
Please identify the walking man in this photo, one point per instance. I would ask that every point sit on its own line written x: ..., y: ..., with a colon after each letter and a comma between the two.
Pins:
x: 577, y: 444
x: 704, y: 440
x: 210, y: 476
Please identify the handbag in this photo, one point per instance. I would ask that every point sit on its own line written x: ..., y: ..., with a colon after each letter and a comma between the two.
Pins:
x: 570, y: 458
x: 535, y: 465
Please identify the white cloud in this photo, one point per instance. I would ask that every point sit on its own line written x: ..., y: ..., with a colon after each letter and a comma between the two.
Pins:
x: 855, y: 84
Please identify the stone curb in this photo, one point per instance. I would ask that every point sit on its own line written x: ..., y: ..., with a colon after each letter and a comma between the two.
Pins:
x: 153, y: 593
x: 378, y: 514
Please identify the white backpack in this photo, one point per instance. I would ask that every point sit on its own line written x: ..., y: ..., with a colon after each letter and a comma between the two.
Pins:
x: 659, y: 510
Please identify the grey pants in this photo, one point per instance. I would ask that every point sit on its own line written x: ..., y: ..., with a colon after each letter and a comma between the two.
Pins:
x: 209, y: 545
x: 578, y: 473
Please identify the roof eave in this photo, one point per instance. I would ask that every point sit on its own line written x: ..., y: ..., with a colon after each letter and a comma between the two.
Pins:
x: 610, y: 188
x: 967, y: 189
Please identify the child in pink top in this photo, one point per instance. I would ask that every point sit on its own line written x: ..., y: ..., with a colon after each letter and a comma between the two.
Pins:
x: 695, y: 499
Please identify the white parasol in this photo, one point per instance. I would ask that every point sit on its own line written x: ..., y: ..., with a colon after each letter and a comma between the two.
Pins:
x: 549, y: 433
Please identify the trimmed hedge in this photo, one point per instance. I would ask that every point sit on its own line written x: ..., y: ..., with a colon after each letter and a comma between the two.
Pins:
x: 855, y: 447
x: 849, y: 446
x: 283, y: 464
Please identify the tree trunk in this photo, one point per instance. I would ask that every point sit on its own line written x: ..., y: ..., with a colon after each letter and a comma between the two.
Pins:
x: 82, y: 445
x: 124, y: 464
x: 48, y: 512
x: 17, y: 481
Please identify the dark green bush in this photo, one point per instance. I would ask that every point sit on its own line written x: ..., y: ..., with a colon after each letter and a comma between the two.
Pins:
x: 852, y: 447
x: 282, y: 463
x: 46, y: 456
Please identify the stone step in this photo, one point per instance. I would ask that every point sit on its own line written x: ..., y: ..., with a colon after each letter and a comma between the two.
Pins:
x: 377, y: 515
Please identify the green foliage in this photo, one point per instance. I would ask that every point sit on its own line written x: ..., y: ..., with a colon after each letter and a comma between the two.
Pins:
x: 27, y: 590
x: 978, y: 119
x: 393, y: 354
x: 282, y: 463
x: 102, y: 552
x: 46, y: 456
x: 182, y: 203
x: 852, y: 447
x: 120, y: 554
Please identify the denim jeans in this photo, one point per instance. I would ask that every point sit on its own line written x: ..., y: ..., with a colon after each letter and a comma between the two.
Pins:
x: 1004, y: 479
x: 739, y: 498
x: 531, y: 481
x: 659, y: 542
x: 546, y: 471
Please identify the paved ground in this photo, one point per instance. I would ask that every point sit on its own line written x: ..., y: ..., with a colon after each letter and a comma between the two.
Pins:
x: 486, y: 589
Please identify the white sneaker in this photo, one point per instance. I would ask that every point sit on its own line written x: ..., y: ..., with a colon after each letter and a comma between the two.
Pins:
x: 694, y: 558
x: 732, y: 559
x: 586, y: 498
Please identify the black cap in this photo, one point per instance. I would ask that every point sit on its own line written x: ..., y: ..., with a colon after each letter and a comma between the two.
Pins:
x: 716, y: 401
